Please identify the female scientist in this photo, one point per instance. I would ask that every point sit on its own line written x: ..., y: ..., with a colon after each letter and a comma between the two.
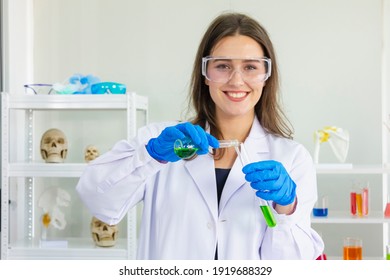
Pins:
x: 207, y: 207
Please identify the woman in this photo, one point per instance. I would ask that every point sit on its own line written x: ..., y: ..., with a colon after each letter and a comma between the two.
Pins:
x: 207, y: 207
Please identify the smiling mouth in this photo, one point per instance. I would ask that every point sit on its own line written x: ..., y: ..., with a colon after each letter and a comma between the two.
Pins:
x: 236, y: 95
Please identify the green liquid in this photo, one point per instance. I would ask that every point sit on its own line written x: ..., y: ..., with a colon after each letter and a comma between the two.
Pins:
x: 268, y: 216
x: 388, y: 257
x: 185, y: 152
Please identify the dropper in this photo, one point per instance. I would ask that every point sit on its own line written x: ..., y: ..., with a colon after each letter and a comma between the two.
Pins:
x: 267, y: 213
x: 228, y: 143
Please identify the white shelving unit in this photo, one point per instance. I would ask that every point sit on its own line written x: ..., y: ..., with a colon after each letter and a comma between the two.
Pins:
x: 23, y: 171
x: 343, y: 218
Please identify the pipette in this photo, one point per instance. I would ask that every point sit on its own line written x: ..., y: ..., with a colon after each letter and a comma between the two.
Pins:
x: 265, y: 209
x: 228, y: 143
x: 184, y: 148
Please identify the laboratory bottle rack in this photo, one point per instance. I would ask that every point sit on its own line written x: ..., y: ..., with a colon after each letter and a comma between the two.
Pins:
x: 99, y: 118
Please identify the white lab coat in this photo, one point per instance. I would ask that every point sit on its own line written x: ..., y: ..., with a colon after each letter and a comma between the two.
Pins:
x: 181, y: 218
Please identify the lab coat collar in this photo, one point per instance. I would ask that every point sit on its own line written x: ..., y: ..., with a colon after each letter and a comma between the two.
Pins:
x: 202, y: 170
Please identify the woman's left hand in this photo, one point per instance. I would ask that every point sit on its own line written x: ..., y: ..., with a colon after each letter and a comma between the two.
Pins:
x: 271, y: 181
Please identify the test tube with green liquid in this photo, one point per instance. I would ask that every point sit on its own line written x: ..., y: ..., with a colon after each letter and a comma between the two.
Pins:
x: 265, y: 209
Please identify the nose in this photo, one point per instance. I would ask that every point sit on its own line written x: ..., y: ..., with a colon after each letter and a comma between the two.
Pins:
x: 236, y: 78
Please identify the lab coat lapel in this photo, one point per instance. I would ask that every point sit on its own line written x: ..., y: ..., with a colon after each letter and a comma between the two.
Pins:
x: 202, y: 170
x: 257, y: 148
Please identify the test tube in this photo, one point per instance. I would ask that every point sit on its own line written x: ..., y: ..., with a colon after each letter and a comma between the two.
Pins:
x: 265, y: 209
x: 365, y: 201
x: 353, y: 202
x: 359, y: 204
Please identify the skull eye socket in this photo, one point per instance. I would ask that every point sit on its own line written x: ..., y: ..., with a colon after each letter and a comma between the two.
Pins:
x: 98, y: 224
x: 47, y: 140
x: 61, y: 140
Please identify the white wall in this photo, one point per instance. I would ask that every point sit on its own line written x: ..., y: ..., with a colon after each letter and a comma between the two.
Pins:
x: 329, y: 55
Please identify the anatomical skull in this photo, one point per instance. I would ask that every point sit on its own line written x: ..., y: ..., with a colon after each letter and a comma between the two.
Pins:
x: 91, y: 152
x: 54, y: 146
x: 103, y: 234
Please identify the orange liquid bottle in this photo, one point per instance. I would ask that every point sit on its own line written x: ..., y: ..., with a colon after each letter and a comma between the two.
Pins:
x: 359, y: 203
x: 353, y: 253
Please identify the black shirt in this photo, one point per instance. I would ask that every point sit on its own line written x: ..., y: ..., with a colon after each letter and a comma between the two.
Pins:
x: 221, y: 175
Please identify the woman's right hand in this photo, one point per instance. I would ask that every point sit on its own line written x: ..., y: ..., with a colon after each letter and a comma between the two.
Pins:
x: 161, y: 148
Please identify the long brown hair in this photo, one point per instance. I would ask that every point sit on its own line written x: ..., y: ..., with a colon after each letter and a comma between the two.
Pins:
x: 268, y: 109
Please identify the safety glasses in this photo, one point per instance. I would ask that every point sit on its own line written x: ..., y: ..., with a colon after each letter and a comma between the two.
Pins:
x: 38, y: 88
x: 221, y: 69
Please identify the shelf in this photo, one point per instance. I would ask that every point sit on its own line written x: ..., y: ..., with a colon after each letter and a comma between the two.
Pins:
x: 46, y: 169
x: 78, y: 248
x: 351, y: 169
x: 82, y: 101
x: 340, y: 217
x: 22, y: 216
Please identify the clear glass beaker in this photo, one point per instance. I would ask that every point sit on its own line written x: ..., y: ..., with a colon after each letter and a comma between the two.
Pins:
x: 353, y: 248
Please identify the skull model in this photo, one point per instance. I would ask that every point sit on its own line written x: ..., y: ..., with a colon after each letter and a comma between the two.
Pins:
x: 103, y: 234
x: 54, y: 146
x: 91, y: 152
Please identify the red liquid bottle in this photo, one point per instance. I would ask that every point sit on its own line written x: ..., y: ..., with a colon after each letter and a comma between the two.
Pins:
x: 387, y: 210
x: 353, y: 203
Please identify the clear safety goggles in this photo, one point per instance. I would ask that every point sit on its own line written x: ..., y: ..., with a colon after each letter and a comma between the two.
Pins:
x: 221, y: 69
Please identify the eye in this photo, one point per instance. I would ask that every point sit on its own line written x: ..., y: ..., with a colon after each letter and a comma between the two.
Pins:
x: 222, y: 66
x: 252, y: 66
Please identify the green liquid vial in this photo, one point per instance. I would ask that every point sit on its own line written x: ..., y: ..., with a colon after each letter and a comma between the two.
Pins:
x: 268, y: 215
x: 388, y: 252
x: 185, y: 152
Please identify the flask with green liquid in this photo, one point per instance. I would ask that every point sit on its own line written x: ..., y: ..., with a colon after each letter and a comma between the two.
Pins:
x: 185, y: 148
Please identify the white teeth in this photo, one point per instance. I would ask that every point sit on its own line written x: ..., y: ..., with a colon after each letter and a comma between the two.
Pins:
x: 236, y: 94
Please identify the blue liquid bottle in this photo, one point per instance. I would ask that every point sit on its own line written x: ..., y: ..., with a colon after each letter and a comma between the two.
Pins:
x: 321, y: 207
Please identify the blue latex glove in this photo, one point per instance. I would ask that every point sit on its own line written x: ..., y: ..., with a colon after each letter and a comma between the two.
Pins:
x: 271, y: 181
x: 161, y: 148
